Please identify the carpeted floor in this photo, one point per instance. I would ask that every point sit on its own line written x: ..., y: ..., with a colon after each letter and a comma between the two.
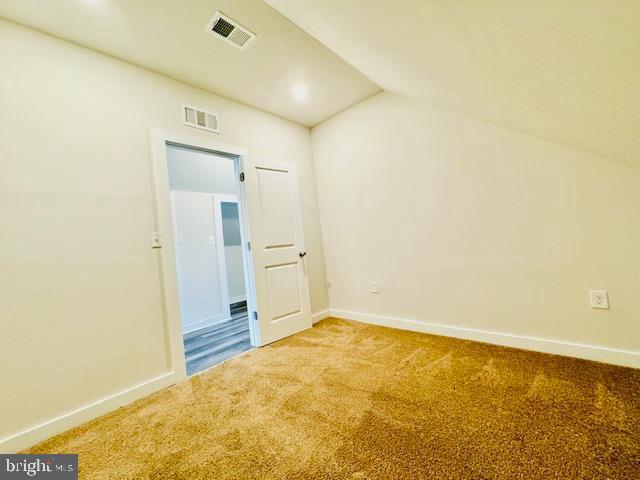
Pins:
x: 351, y: 401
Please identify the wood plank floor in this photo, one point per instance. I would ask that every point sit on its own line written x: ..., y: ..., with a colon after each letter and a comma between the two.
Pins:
x: 209, y: 346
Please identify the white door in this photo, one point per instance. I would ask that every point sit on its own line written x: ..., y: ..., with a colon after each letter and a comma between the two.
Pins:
x: 277, y: 251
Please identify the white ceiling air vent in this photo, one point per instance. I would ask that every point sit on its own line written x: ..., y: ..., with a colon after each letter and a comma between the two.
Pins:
x: 198, y: 118
x: 230, y: 31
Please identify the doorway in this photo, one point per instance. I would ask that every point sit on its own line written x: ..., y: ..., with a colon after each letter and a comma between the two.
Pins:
x: 209, y: 259
x: 262, y: 201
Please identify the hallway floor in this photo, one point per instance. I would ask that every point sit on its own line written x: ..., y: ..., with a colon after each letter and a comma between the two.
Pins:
x: 209, y: 346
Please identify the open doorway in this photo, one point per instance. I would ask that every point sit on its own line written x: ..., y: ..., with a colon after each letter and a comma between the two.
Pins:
x: 210, y: 267
x: 266, y: 195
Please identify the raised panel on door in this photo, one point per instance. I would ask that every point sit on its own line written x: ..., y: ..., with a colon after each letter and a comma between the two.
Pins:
x: 275, y: 208
x: 284, y: 291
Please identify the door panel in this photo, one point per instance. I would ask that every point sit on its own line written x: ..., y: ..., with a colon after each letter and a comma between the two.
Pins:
x: 275, y: 208
x: 275, y: 222
x: 284, y: 291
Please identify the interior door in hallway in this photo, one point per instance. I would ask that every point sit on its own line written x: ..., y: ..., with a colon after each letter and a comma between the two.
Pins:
x: 278, y: 254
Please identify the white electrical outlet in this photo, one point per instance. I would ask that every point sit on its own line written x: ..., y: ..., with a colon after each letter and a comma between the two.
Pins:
x: 599, y: 299
x: 373, y: 286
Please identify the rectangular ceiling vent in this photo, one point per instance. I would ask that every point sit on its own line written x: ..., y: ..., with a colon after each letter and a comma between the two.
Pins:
x: 198, y: 118
x: 230, y: 31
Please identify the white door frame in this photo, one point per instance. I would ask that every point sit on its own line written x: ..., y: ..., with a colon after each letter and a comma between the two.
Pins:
x: 166, y: 254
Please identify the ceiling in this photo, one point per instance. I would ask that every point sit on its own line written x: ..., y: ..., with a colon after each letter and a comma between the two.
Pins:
x: 563, y: 70
x: 169, y: 37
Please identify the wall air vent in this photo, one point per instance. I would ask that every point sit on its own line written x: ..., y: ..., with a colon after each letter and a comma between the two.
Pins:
x: 230, y: 31
x: 198, y: 118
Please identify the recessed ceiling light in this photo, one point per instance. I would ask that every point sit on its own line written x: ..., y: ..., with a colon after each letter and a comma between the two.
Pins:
x: 300, y: 91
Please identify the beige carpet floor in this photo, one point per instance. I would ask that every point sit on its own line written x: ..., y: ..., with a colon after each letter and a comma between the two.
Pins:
x: 351, y: 401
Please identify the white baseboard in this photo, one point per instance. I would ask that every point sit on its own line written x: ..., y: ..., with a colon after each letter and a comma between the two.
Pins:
x: 62, y: 423
x: 205, y: 322
x: 239, y: 298
x: 316, y: 317
x: 54, y: 426
x: 597, y: 353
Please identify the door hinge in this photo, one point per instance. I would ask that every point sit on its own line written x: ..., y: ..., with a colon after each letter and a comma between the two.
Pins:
x: 242, y: 176
x: 248, y: 245
x: 255, y: 315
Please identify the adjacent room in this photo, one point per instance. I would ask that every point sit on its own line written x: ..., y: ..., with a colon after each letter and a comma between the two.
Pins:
x: 211, y: 282
x: 320, y: 239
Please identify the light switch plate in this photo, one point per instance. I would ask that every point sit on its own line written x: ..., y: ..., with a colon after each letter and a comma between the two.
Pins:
x: 599, y: 299
x: 156, y: 240
x: 374, y: 287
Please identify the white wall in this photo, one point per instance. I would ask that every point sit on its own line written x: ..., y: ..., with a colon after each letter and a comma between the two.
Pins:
x: 81, y: 310
x: 202, y: 301
x: 194, y: 176
x: 466, y: 224
x: 194, y: 171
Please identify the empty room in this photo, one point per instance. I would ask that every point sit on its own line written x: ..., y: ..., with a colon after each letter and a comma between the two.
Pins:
x: 320, y: 239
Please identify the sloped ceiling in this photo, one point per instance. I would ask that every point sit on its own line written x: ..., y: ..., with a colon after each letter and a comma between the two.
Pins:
x: 563, y: 70
x: 169, y: 37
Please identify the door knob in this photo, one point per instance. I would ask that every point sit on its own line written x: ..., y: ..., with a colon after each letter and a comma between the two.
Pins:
x: 302, y: 254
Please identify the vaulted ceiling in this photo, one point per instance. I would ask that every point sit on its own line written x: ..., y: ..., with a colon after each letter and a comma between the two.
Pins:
x: 170, y: 37
x: 564, y: 70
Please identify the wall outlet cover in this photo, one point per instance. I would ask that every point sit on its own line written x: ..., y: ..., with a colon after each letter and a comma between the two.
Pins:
x: 599, y: 299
